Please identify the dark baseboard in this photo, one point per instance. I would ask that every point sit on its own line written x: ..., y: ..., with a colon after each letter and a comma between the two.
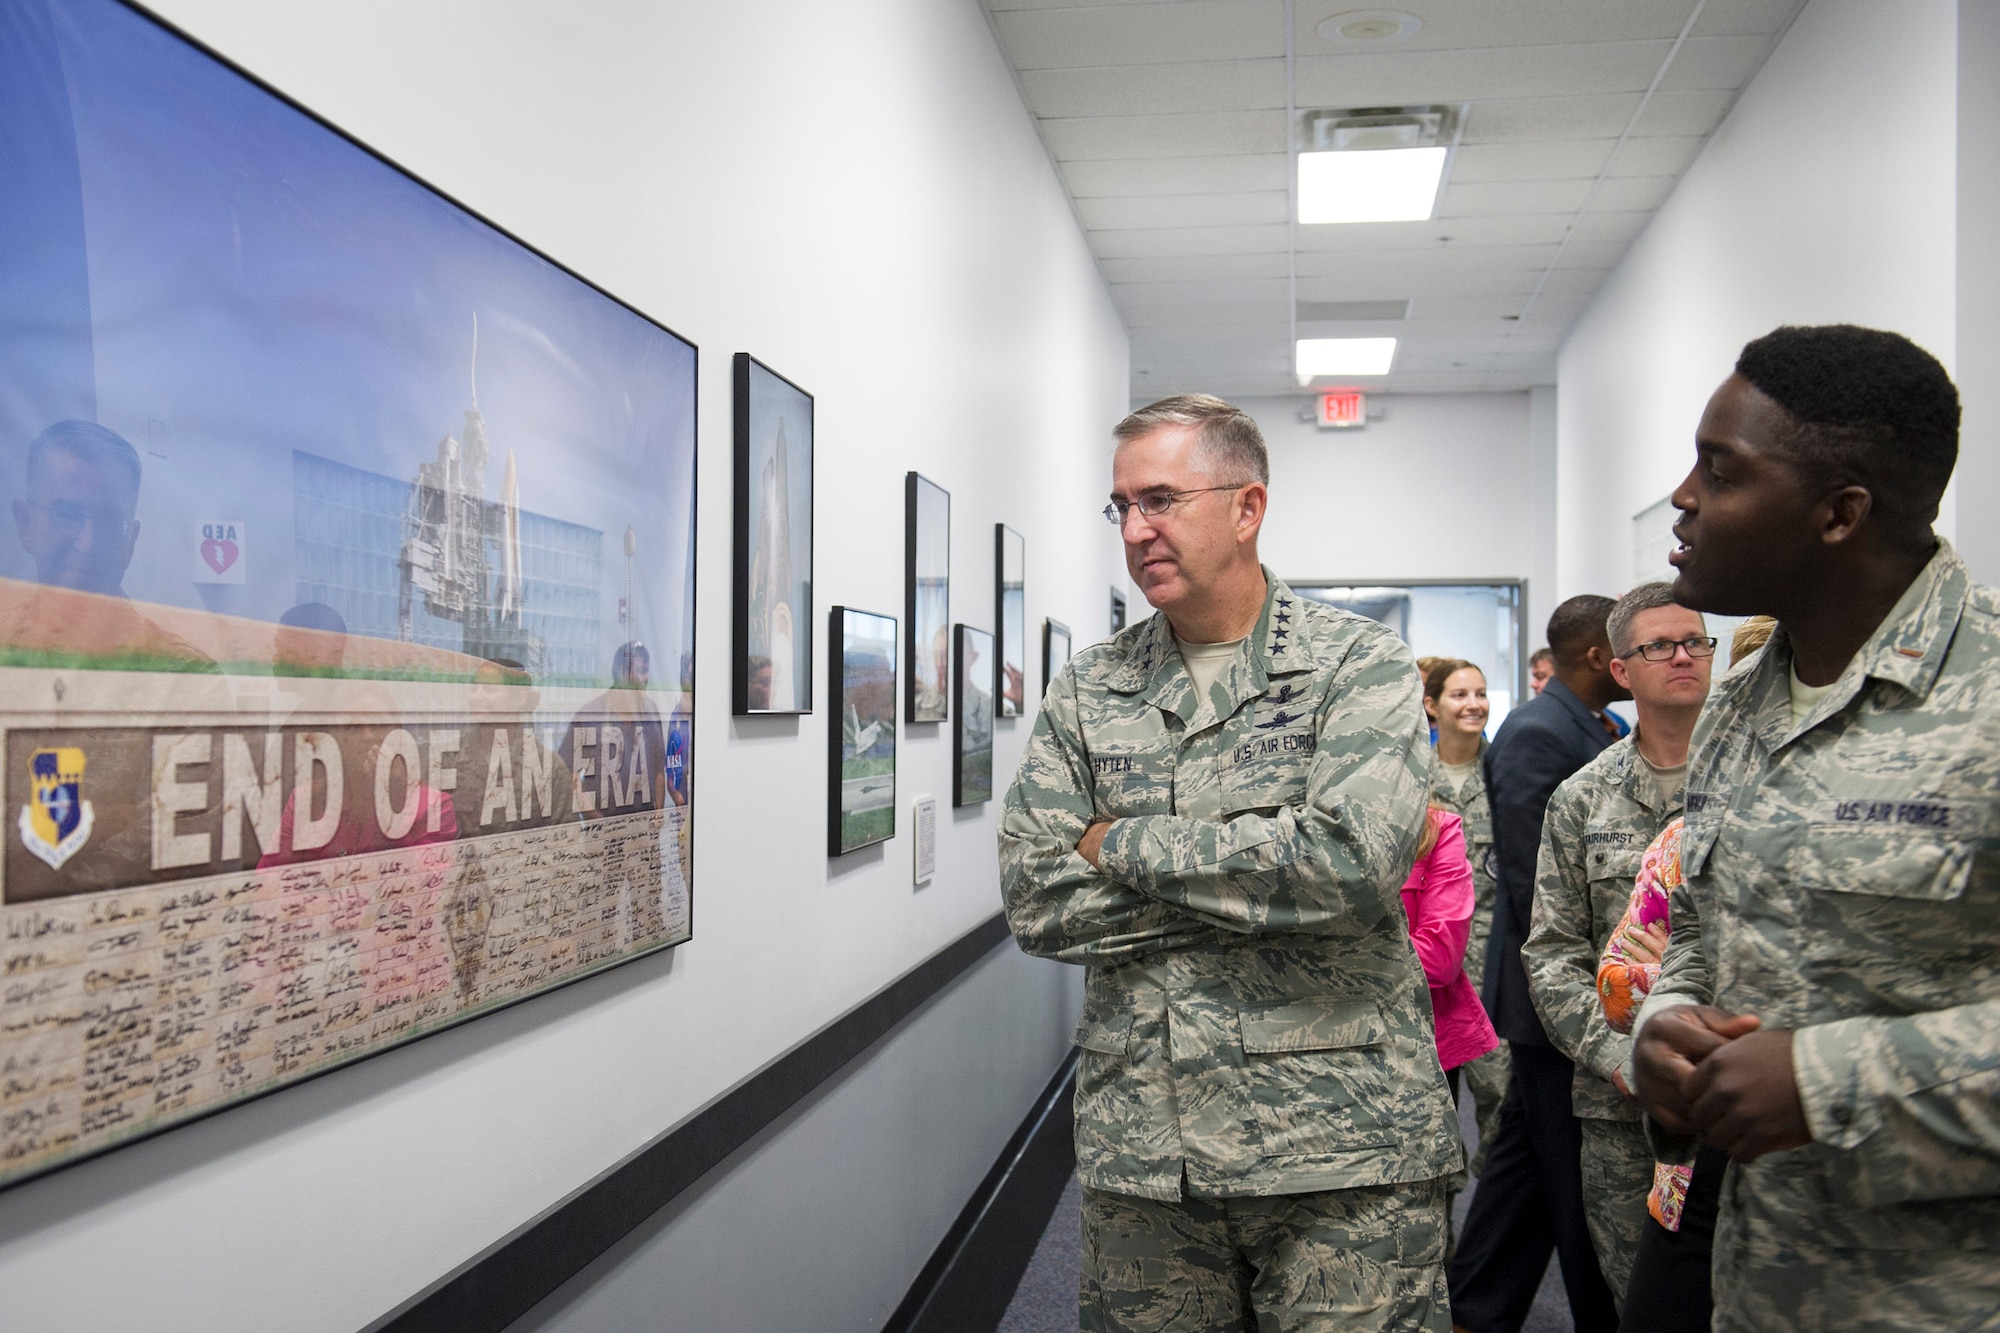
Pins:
x: 971, y: 1276
x: 497, y: 1286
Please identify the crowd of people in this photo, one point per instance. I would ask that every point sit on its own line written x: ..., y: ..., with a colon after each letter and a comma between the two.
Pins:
x: 1721, y: 987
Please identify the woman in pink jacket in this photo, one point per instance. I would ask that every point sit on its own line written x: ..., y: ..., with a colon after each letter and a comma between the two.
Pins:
x: 1437, y: 898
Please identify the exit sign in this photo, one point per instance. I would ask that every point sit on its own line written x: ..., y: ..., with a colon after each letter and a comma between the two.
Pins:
x: 1343, y: 409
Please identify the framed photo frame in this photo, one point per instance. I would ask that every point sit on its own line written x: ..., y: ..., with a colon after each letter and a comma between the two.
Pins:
x: 1055, y: 650
x: 972, y: 738
x: 861, y: 745
x: 407, y: 612
x: 1117, y: 611
x: 772, y: 617
x: 1010, y: 621
x: 927, y: 599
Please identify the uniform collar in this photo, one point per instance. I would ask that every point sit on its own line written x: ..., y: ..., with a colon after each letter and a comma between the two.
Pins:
x: 1907, y: 650
x: 1153, y: 666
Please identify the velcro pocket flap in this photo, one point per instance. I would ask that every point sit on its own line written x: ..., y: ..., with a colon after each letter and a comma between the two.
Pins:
x: 1312, y: 1025
x: 1104, y: 1033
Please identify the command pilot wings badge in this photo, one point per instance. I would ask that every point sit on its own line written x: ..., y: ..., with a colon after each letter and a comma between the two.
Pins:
x: 55, y: 823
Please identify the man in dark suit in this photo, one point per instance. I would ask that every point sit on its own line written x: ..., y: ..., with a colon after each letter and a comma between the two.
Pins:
x: 1530, y: 1198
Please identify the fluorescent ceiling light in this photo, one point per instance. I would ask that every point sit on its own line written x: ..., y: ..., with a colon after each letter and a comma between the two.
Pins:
x: 1343, y: 356
x: 1376, y: 185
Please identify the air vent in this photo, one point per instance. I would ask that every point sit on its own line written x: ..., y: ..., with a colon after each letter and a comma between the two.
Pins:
x: 1318, y: 311
x: 1379, y: 127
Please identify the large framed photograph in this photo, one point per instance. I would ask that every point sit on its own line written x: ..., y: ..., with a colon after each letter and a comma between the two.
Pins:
x: 972, y: 738
x: 1055, y: 650
x: 347, y: 622
x: 861, y: 778
x: 927, y: 598
x: 1010, y: 621
x: 771, y: 657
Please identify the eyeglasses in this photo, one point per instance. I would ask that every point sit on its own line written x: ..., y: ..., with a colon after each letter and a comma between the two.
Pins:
x: 67, y: 518
x: 1156, y: 503
x: 1663, y: 650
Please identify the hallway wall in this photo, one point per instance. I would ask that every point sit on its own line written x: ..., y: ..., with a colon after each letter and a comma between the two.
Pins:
x: 1443, y: 486
x: 1828, y: 195
x: 855, y: 195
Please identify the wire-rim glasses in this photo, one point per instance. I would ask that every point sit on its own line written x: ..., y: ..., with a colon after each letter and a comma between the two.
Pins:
x: 1155, y: 503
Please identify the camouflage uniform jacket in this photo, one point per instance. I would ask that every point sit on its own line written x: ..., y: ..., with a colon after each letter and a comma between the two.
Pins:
x: 1255, y: 1020
x: 1842, y: 881
x: 1470, y: 805
x: 1598, y: 826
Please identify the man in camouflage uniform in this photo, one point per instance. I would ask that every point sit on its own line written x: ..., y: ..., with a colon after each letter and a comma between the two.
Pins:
x: 1829, y: 1009
x: 1215, y: 815
x: 1597, y: 828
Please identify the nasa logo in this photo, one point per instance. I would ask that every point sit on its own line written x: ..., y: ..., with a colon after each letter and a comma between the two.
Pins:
x: 55, y: 822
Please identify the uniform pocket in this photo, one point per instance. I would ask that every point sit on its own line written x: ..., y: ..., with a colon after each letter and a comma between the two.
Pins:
x: 1319, y: 1077
x: 1885, y: 866
x: 1126, y: 785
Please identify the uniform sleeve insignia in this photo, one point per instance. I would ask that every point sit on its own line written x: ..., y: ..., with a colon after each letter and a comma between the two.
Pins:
x: 55, y: 822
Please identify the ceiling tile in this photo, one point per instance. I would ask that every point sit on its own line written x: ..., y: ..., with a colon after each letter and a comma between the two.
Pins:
x: 1170, y: 295
x: 1672, y: 112
x: 1497, y: 198
x: 1199, y: 135
x: 1186, y: 210
x: 1189, y: 30
x: 1580, y: 254
x: 1188, y: 241
x: 1566, y: 281
x: 1133, y: 90
x: 1391, y: 79
x: 1728, y: 18
x: 1365, y: 283
x: 1454, y: 258
x: 1223, y: 318
x: 1531, y: 119
x: 1608, y: 228
x: 1466, y: 307
x: 1632, y: 193
x: 1663, y: 156
x: 1539, y: 229
x: 1193, y: 268
x: 1707, y: 63
x: 1454, y: 24
x: 1558, y: 159
x: 1175, y: 175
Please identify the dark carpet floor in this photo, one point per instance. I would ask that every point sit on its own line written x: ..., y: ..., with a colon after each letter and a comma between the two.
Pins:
x: 1045, y: 1302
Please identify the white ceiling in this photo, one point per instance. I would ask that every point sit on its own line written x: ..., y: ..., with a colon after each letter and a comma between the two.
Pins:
x: 1167, y: 121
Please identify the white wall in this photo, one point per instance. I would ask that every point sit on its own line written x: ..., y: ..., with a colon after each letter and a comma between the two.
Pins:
x: 1443, y: 486
x: 855, y: 195
x: 1826, y: 196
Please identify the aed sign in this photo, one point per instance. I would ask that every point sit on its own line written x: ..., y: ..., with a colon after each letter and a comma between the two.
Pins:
x: 1343, y: 409
x: 217, y: 550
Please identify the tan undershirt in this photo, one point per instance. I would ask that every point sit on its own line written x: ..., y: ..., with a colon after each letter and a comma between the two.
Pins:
x: 1207, y: 661
x: 1456, y: 776
x: 1805, y: 697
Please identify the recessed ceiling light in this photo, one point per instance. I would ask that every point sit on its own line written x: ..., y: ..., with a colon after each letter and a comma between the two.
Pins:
x: 1370, y: 27
x: 1379, y: 185
x: 1343, y: 356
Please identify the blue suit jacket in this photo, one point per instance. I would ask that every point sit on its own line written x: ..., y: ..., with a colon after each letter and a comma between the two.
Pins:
x: 1540, y: 745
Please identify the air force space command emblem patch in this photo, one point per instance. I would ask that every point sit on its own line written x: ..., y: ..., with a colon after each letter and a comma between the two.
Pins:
x: 55, y: 822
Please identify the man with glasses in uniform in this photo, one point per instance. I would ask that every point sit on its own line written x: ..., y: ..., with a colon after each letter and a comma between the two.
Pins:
x: 1215, y: 816
x: 1597, y: 828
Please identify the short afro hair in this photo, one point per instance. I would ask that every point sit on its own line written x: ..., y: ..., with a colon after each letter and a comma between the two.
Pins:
x: 1872, y: 409
x: 1578, y: 626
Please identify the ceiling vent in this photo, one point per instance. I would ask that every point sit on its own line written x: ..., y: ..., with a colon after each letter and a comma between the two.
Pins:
x: 1364, y: 128
x: 1338, y: 311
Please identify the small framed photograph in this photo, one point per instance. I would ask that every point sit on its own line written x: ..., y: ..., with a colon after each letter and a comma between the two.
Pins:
x: 1010, y: 621
x: 927, y: 598
x: 771, y: 667
x: 1117, y: 611
x: 1055, y: 650
x: 861, y: 779
x: 972, y: 738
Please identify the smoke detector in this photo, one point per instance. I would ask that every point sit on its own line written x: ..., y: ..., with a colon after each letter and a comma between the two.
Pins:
x: 1362, y: 29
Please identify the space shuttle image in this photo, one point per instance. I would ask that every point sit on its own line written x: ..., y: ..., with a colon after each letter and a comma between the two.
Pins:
x: 771, y: 633
x: 461, y: 552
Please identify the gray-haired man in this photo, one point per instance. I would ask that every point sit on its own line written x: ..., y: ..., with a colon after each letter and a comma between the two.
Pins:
x: 1215, y: 816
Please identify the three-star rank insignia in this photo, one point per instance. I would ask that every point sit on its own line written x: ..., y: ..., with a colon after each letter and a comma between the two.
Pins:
x: 55, y: 822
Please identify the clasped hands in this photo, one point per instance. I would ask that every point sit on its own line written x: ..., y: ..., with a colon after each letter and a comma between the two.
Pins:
x: 1706, y: 1073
